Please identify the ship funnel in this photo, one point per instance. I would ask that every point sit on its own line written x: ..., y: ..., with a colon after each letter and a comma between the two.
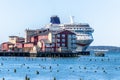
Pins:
x: 54, y: 20
x: 71, y: 19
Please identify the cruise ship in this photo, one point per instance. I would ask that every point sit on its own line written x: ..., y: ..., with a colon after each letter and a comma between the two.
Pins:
x: 82, y: 30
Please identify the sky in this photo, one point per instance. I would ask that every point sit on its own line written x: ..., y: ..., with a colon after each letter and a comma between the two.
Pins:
x: 102, y: 15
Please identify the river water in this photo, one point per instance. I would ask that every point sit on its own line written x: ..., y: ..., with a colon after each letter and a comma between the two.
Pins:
x: 72, y: 68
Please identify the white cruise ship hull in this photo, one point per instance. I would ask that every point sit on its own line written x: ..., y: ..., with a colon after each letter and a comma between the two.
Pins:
x: 82, y: 45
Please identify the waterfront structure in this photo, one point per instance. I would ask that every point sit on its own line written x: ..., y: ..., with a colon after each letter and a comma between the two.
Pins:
x: 54, y: 37
x: 51, y: 41
x: 65, y: 41
x: 42, y: 41
x: 16, y: 39
x: 15, y: 43
x: 7, y: 46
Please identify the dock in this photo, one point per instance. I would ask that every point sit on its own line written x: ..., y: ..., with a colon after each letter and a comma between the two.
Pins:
x: 16, y: 54
x: 44, y: 54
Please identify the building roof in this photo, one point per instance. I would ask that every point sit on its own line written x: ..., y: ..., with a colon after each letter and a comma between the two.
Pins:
x: 12, y: 36
x: 16, y: 37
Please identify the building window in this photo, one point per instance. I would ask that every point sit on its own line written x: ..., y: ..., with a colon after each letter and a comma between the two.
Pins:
x: 58, y: 44
x: 73, y: 36
x: 69, y: 36
x: 73, y: 41
x: 53, y: 40
x: 53, y: 45
x: 63, y: 45
x: 73, y: 45
x: 63, y: 40
x: 53, y: 36
x: 58, y: 35
x: 58, y: 40
x: 63, y: 35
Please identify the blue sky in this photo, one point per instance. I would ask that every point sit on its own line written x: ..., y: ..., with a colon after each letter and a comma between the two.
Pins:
x: 102, y: 15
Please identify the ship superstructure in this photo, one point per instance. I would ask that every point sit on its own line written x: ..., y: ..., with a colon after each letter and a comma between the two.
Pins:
x: 83, y: 31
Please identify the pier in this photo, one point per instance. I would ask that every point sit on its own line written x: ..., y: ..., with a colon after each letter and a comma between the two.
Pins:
x: 44, y: 54
x: 16, y: 54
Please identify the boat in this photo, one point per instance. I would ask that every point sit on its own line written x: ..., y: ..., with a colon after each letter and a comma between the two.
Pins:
x: 100, y: 53
x: 82, y: 30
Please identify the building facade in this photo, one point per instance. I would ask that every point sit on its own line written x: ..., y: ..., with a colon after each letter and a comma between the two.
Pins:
x: 15, y: 43
x: 42, y: 41
x: 65, y: 41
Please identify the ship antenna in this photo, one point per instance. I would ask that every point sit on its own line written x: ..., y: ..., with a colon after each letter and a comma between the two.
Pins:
x: 71, y: 19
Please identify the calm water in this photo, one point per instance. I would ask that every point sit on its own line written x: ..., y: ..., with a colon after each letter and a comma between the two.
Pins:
x: 77, y: 68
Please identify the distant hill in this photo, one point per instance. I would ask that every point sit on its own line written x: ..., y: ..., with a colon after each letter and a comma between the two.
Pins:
x: 109, y: 48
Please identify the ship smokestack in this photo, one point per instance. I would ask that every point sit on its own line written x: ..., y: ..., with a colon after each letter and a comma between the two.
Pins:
x: 54, y: 20
x: 71, y: 19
